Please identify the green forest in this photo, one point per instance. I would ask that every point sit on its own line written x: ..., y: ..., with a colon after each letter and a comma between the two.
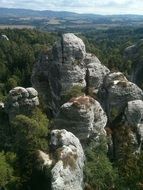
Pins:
x: 22, y: 137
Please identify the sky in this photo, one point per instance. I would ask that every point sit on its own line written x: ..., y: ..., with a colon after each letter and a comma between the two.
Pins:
x: 79, y: 6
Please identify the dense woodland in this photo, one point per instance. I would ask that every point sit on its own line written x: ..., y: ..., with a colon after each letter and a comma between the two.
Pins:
x: 17, y: 148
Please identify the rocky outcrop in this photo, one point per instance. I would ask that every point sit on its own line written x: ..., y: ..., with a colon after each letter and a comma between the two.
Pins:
x: 83, y: 116
x: 3, y: 36
x: 134, y: 54
x: 21, y: 101
x: 128, y: 130
x: 95, y: 74
x: 67, y: 65
x: 134, y: 117
x: 117, y: 92
x: 67, y: 161
x: 1, y: 105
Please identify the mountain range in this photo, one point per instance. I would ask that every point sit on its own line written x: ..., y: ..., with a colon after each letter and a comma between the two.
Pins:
x: 60, y: 20
x: 17, y: 12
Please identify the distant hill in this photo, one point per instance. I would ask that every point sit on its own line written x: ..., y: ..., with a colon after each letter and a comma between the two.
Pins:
x: 16, y: 12
x: 62, y: 20
x: 8, y: 12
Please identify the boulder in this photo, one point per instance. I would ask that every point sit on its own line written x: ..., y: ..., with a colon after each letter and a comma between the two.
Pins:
x: 83, y: 116
x: 21, y: 101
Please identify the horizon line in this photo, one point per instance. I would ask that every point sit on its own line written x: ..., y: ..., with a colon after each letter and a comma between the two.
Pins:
x: 74, y: 12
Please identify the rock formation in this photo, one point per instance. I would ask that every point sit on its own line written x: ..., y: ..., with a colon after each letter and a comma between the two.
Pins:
x: 134, y: 117
x: 117, y: 91
x: 67, y: 66
x: 67, y: 161
x: 83, y: 116
x: 95, y: 74
x: 3, y: 36
x: 79, y: 120
x: 21, y: 101
x: 1, y: 105
x: 115, y: 95
x: 134, y: 54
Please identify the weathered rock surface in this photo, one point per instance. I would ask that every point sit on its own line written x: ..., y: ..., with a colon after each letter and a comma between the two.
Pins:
x: 134, y: 116
x: 134, y: 54
x: 67, y: 66
x: 1, y: 105
x: 83, y: 116
x: 68, y: 171
x: 21, y: 101
x: 95, y: 75
x: 68, y: 155
x: 44, y: 159
x: 117, y: 91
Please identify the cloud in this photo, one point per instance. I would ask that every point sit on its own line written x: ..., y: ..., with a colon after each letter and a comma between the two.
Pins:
x: 81, y: 6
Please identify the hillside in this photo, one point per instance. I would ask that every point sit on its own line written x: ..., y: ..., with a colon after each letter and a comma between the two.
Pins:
x: 54, y: 20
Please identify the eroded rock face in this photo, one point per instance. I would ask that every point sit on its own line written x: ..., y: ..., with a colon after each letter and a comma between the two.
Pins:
x: 95, y: 75
x: 68, y: 171
x: 134, y: 54
x: 130, y: 129
x: 68, y: 161
x: 117, y: 92
x: 71, y: 53
x: 83, y: 116
x: 134, y: 116
x: 67, y: 66
x: 21, y: 101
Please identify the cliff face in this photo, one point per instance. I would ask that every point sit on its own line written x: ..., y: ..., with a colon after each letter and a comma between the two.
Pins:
x: 117, y: 92
x: 134, y: 117
x: 134, y: 54
x: 67, y: 66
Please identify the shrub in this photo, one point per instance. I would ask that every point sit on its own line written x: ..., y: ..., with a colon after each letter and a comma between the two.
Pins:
x: 75, y: 91
x: 7, y: 178
x: 99, y: 172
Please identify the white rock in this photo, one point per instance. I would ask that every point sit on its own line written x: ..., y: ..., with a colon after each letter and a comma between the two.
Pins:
x: 45, y: 158
x: 21, y: 101
x: 1, y: 105
x: 67, y: 172
x: 32, y: 92
x: 117, y: 92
